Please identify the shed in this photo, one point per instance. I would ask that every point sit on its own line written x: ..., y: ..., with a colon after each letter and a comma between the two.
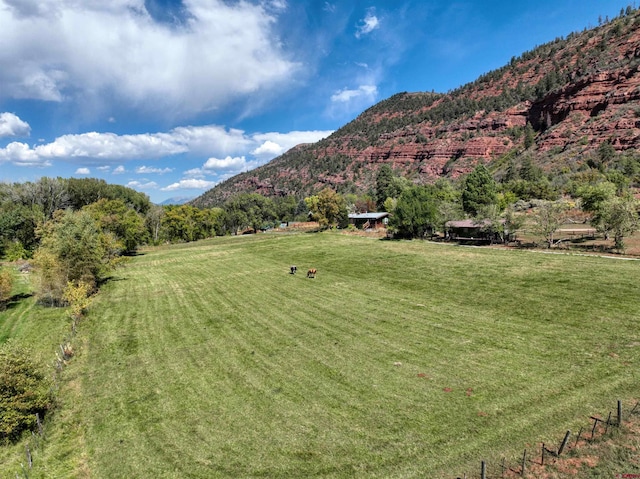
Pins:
x: 473, y: 230
x: 367, y: 221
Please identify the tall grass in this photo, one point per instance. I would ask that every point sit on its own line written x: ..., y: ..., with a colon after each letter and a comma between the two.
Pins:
x: 401, y: 359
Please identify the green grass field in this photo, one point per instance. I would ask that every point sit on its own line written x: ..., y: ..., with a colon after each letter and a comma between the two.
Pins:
x: 400, y: 360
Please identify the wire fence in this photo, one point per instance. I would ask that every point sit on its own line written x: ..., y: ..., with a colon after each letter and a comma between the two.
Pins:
x: 597, y: 427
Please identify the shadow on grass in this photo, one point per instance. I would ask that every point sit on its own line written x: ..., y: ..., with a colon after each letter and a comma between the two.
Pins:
x: 133, y: 254
x: 15, y: 300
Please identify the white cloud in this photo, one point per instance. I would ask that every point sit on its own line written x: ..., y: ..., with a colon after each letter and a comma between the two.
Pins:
x: 83, y: 171
x: 21, y: 154
x: 194, y: 173
x: 11, y: 125
x: 119, y: 170
x: 269, y: 148
x: 148, y: 185
x: 275, y: 144
x: 55, y: 50
x: 103, y: 168
x: 363, y: 92
x: 190, y: 184
x: 149, y: 169
x: 109, y: 147
x: 368, y: 24
x: 214, y: 165
x: 209, y: 140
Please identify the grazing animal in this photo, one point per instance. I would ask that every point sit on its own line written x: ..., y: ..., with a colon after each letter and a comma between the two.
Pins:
x: 293, y: 269
x: 312, y: 273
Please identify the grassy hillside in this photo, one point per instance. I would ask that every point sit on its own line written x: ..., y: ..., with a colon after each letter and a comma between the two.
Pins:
x: 401, y: 359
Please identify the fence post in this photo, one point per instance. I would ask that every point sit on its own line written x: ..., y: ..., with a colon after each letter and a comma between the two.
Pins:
x: 28, y: 454
x: 564, y: 442
x: 39, y: 423
x: 483, y: 470
x: 619, y: 413
x: 578, y: 438
x: 524, y: 461
x: 542, y: 460
x: 595, y: 423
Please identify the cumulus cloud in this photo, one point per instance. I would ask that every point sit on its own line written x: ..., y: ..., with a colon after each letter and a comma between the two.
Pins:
x: 190, y: 184
x: 143, y: 185
x: 119, y: 170
x: 269, y: 148
x: 109, y: 146
x: 21, y: 154
x: 83, y: 171
x: 275, y: 144
x: 226, y: 164
x: 209, y: 139
x: 54, y: 50
x: 100, y: 149
x: 368, y: 24
x: 11, y: 125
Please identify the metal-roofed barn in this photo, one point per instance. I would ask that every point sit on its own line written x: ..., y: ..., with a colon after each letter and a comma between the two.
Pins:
x: 366, y: 221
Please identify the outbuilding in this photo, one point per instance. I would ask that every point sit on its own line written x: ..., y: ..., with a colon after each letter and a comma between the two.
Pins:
x: 474, y: 231
x: 367, y: 221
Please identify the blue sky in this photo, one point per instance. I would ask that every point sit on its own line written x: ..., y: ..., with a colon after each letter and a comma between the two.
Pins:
x: 170, y: 97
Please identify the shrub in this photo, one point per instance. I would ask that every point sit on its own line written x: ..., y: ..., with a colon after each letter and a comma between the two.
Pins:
x: 6, y: 286
x: 15, y: 251
x: 24, y: 392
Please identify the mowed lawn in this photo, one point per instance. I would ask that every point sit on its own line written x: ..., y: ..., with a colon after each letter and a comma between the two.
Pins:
x: 399, y: 360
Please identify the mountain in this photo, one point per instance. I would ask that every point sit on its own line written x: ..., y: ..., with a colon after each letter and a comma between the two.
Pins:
x: 554, y: 106
x: 177, y: 200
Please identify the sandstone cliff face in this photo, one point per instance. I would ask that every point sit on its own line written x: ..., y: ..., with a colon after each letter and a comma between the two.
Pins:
x: 575, y: 93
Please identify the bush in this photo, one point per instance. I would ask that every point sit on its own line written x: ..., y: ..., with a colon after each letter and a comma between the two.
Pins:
x: 6, y: 286
x: 24, y: 391
x: 14, y: 251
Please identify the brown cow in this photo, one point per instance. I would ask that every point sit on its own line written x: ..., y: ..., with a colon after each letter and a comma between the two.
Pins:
x: 312, y: 273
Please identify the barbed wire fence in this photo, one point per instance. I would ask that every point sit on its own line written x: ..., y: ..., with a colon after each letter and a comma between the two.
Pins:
x: 598, y: 427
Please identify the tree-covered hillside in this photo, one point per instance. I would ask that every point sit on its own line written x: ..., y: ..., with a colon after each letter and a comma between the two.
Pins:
x: 553, y: 106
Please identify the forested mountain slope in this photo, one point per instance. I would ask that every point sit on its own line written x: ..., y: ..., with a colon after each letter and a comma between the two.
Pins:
x: 555, y: 106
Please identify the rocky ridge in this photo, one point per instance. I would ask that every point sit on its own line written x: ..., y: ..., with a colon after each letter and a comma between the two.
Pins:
x: 572, y: 94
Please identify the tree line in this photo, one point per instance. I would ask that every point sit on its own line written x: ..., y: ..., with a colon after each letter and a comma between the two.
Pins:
x: 76, y: 231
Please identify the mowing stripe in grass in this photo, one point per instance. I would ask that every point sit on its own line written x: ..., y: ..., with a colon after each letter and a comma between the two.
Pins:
x: 211, y: 360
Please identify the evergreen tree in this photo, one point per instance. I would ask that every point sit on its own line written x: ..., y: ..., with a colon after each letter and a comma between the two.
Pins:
x: 384, y: 187
x: 478, y: 189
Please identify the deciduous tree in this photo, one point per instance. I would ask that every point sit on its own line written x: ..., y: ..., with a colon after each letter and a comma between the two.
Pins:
x: 328, y: 208
x: 71, y: 250
x: 619, y: 215
x: 548, y: 217
x: 416, y: 213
